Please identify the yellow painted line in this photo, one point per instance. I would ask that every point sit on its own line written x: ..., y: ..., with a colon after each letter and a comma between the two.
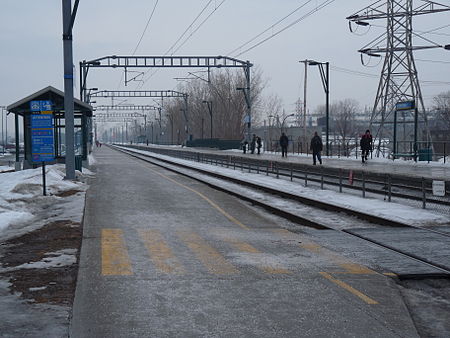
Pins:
x: 349, y: 267
x: 115, y: 260
x: 210, y: 257
x: 160, y: 253
x: 391, y: 274
x: 213, y: 204
x: 350, y: 289
x: 247, y: 248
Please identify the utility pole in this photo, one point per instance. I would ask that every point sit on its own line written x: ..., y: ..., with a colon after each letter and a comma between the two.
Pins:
x: 399, y: 80
x: 305, y: 140
x: 68, y: 21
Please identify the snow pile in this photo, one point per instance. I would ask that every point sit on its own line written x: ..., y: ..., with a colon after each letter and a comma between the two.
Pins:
x: 21, y: 193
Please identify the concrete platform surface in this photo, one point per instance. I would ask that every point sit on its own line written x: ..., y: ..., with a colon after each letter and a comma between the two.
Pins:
x: 166, y: 256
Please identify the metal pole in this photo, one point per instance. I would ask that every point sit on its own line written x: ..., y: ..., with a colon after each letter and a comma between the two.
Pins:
x: 304, y: 102
x: 211, y: 115
x: 16, y: 127
x: 44, y: 188
x: 327, y: 81
x: 68, y: 89
x: 3, y: 134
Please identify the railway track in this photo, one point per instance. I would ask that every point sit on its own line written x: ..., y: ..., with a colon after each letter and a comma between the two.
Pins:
x: 440, y: 265
x: 413, y: 191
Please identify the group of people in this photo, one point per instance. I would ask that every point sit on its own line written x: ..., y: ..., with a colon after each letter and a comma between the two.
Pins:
x: 316, y: 146
x: 255, y: 144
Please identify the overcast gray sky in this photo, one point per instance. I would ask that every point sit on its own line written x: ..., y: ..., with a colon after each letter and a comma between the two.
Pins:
x: 31, y: 44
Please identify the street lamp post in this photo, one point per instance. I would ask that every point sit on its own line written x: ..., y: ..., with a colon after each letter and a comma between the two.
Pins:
x: 325, y: 76
x: 209, y: 104
x: 284, y: 119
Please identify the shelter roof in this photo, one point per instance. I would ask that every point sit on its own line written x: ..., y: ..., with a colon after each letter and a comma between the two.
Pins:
x: 22, y: 107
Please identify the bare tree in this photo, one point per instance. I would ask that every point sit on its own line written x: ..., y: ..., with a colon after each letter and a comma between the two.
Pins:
x: 442, y: 107
x: 217, y: 103
x: 343, y: 115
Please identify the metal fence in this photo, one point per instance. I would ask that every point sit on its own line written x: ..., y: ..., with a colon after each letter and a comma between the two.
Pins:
x: 416, y: 192
x: 423, y: 151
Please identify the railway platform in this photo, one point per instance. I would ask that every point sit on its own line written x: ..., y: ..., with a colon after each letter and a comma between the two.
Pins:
x: 429, y: 170
x: 165, y: 255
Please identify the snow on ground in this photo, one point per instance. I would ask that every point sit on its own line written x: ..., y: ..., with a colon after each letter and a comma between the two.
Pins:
x: 394, y: 211
x: 55, y: 259
x: 23, y: 209
x: 22, y: 201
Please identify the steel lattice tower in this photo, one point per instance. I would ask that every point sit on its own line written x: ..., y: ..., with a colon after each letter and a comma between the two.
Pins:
x: 399, y: 80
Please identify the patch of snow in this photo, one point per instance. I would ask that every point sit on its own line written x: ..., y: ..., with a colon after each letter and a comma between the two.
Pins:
x: 22, y: 200
x: 55, y: 259
x: 13, y: 217
x: 37, y: 289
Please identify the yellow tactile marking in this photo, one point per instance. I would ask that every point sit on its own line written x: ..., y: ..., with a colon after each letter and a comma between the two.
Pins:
x: 223, y: 212
x: 160, y: 253
x: 210, y: 257
x: 115, y: 260
x: 347, y: 287
x: 245, y: 247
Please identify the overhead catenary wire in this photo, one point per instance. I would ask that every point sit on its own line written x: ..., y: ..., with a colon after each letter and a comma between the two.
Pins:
x: 146, y: 26
x: 313, y: 11
x: 171, y: 49
x: 140, y: 39
x: 269, y: 28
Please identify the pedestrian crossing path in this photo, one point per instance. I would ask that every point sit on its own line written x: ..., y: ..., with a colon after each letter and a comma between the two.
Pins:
x: 219, y: 252
x: 160, y: 251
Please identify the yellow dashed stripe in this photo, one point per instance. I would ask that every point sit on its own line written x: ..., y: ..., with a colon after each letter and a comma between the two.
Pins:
x: 115, y: 260
x: 160, y: 253
x: 210, y: 257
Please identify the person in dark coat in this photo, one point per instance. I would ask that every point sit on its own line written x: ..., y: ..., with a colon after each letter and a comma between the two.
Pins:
x: 244, y: 144
x: 284, y: 142
x: 316, y: 147
x: 366, y: 145
x: 258, y: 144
x: 253, y: 144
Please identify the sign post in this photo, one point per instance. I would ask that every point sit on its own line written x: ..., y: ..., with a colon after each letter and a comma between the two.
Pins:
x: 42, y: 140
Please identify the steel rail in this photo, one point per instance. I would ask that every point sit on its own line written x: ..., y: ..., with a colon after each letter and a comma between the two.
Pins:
x: 445, y: 271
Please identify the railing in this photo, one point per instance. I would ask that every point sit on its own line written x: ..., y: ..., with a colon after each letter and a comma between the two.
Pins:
x: 390, y: 188
x: 436, y: 151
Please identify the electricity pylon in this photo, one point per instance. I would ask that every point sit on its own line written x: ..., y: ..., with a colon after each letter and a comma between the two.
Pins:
x: 399, y: 80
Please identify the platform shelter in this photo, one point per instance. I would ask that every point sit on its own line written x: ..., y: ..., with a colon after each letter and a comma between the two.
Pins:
x: 51, y: 145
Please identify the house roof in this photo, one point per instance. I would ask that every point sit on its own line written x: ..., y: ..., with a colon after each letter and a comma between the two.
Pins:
x: 22, y: 107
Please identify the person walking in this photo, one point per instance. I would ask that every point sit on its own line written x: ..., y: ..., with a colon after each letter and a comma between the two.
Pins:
x: 316, y: 147
x: 244, y: 144
x: 258, y: 144
x: 284, y: 142
x: 366, y: 145
x: 253, y: 144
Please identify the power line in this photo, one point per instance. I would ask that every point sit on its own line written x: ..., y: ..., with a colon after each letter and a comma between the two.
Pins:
x: 269, y: 28
x: 146, y: 26
x: 199, y: 26
x: 187, y: 29
x: 184, y: 33
x: 315, y: 10
x: 433, y: 61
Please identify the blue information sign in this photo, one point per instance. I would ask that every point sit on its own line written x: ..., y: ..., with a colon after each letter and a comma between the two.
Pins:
x: 406, y: 105
x: 42, y: 143
x: 35, y: 105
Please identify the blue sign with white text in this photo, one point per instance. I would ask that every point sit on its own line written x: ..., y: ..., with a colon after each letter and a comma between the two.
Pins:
x: 42, y: 105
x: 42, y: 141
x: 406, y: 105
